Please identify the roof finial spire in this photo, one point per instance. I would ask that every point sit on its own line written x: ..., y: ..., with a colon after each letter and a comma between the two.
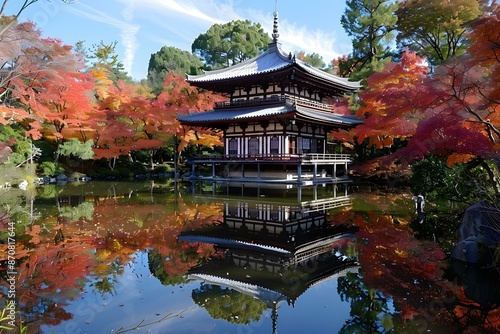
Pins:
x: 275, y: 26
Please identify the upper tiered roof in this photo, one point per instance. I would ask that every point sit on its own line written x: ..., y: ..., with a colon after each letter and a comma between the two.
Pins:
x: 271, y: 61
x: 272, y: 65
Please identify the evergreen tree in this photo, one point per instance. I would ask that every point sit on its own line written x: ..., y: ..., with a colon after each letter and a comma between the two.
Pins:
x: 371, y: 24
x: 227, y: 44
x: 171, y: 59
x: 103, y: 57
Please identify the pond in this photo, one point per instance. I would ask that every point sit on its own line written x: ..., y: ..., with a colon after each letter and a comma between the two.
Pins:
x: 137, y: 257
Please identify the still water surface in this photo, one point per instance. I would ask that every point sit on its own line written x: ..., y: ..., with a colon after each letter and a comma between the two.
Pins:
x: 105, y: 257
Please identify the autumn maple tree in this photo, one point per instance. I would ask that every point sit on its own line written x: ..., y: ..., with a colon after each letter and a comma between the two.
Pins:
x: 388, y: 104
x: 451, y: 113
x: 130, y: 119
x: 178, y: 97
x: 42, y: 80
x: 463, y: 118
x: 389, y: 107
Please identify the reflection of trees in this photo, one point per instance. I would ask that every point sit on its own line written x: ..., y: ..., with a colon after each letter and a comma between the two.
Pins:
x: 56, y: 260
x: 106, y: 274
x: 73, y: 213
x: 411, y: 271
x: 228, y: 304
x: 370, y: 311
x: 48, y: 275
x: 105, y: 285
x: 157, y: 268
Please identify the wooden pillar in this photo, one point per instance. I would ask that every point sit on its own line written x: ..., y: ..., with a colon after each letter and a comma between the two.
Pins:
x: 315, y: 171
x: 243, y: 141
x: 225, y: 140
x: 334, y: 170
x: 346, y: 170
x: 213, y: 169
x: 299, y: 172
x: 258, y: 170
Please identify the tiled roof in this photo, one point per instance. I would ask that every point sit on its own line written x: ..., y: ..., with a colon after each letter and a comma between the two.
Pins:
x: 219, y: 115
x: 330, y: 117
x: 273, y: 59
x: 266, y: 295
x: 235, y: 114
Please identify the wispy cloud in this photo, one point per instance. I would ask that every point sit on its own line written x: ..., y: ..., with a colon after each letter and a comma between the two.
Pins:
x: 207, y: 11
x: 129, y: 35
x: 128, y: 30
x: 301, y: 38
x: 180, y: 21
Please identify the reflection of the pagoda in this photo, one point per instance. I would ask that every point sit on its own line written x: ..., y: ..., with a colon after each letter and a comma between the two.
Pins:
x: 276, y: 249
x: 314, y: 197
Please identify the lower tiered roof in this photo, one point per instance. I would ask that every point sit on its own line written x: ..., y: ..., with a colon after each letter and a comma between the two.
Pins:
x: 283, y: 108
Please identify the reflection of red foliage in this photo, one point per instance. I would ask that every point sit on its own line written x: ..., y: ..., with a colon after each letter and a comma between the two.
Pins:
x: 117, y: 231
x: 399, y: 262
x: 184, y: 256
x: 153, y: 226
x: 48, y: 271
x: 411, y: 271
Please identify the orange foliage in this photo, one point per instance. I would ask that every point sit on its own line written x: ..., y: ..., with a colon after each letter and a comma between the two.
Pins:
x: 389, y: 102
x: 128, y: 119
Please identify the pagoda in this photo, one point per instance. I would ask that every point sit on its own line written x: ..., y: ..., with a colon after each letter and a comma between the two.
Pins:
x: 275, y: 121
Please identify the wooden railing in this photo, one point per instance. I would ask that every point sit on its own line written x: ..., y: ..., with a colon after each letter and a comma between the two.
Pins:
x: 249, y: 157
x: 275, y: 157
x: 275, y: 99
x: 327, y: 156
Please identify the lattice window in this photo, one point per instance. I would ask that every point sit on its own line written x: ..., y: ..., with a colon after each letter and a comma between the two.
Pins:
x: 253, y: 146
x: 275, y: 145
x: 233, y: 146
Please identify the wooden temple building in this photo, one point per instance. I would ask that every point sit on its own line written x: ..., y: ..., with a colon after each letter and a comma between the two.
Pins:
x: 275, y: 121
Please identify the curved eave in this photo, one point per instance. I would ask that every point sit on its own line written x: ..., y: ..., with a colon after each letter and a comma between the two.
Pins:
x: 352, y: 86
x: 274, y: 61
x: 271, y: 60
x: 332, y: 119
x: 266, y: 295
x: 234, y: 243
x: 218, y: 117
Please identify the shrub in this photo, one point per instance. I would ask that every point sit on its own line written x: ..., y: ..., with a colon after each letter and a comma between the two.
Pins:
x: 49, y: 168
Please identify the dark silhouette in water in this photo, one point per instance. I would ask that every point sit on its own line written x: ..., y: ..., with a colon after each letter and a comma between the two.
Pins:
x: 419, y: 208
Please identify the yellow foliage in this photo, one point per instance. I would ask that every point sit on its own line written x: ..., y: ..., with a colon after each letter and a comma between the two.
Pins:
x: 102, y: 82
x: 401, y: 253
x: 116, y: 245
x: 102, y: 254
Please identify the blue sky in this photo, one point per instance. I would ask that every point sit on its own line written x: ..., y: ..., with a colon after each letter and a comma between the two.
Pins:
x: 142, y: 27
